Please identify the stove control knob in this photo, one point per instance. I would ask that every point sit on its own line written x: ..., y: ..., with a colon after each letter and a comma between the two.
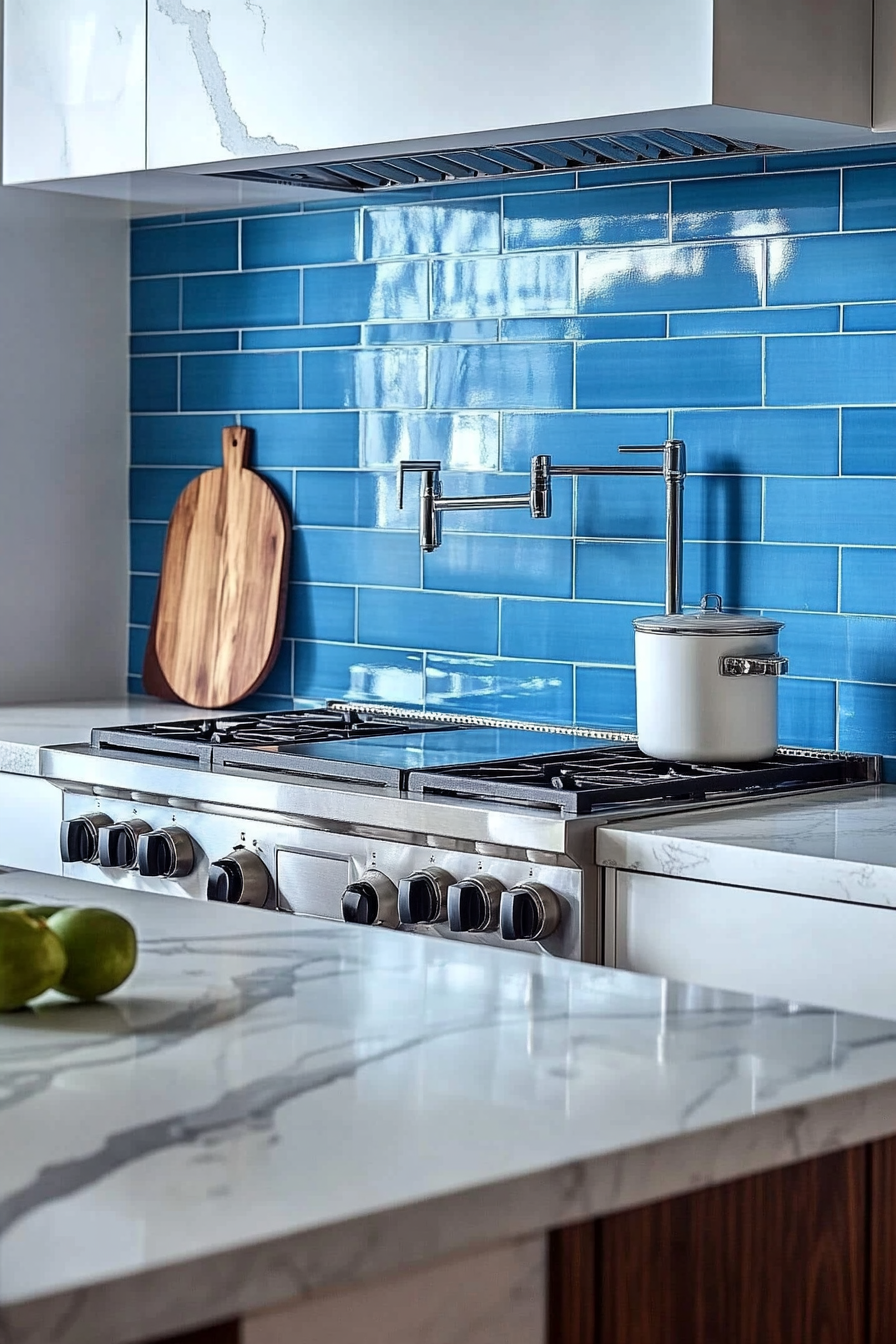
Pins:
x: 423, y: 897
x: 165, y: 853
x: 239, y: 879
x: 118, y: 843
x: 371, y: 900
x: 473, y: 905
x: 529, y: 913
x: 79, y: 838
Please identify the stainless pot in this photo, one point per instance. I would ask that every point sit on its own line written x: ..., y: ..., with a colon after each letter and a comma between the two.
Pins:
x: 707, y: 685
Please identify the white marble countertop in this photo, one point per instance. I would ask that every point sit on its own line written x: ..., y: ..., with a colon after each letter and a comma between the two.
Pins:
x: 840, y: 845
x: 274, y: 1104
x: 24, y: 729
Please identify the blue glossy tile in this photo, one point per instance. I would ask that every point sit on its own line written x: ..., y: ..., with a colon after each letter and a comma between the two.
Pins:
x: 325, y: 555
x: 584, y: 219
x: 306, y: 439
x: 866, y: 719
x: 570, y: 632
x: 830, y: 370
x: 869, y: 441
x: 154, y: 491
x: 154, y: 383
x: 844, y: 648
x: 185, y: 247
x: 869, y: 317
x: 354, y: 672
x: 177, y: 441
x: 364, y: 378
x: 807, y: 713
x: 178, y: 343
x: 428, y: 620
x: 278, y: 682
x: 270, y: 298
x: 320, y: 611
x: 500, y: 376
x: 150, y: 221
x: 718, y: 371
x: 764, y: 442
x: 426, y: 230
x: 758, y: 321
x: 504, y: 522
x: 869, y: 196
x: 395, y: 289
x: 504, y: 286
x: 147, y: 545
x: 143, y: 596
x: 789, y: 161
x: 621, y: 571
x: 605, y: 698
x: 300, y: 240
x: 868, y: 581
x: 501, y: 687
x: 838, y: 268
x: 664, y: 170
x: 621, y: 327
x: 845, y: 512
x: 301, y: 338
x: 351, y: 499
x: 239, y: 382
x: 137, y: 637
x: 155, y: 305
x: 528, y: 566
x: 422, y: 333
x: 736, y: 207
x: 462, y: 442
x: 508, y: 186
x: 717, y: 508
x: 687, y: 275
x: 580, y: 437
x: 135, y: 685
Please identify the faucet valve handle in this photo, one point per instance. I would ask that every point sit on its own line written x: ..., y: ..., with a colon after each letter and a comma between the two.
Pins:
x: 431, y: 468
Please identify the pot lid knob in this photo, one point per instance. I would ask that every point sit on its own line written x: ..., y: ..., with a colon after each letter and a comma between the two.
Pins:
x: 711, y: 602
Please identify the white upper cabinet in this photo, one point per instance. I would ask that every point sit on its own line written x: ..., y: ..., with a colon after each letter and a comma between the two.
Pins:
x: 74, y: 88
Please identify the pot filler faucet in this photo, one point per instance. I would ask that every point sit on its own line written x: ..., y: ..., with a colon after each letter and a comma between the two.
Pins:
x: 538, y: 500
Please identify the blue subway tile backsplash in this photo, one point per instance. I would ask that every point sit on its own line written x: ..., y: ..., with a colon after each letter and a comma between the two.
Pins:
x: 748, y: 309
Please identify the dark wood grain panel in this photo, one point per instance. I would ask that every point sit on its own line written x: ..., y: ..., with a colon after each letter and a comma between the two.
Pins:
x: 882, y: 1242
x: 572, y: 1284
x: 777, y: 1258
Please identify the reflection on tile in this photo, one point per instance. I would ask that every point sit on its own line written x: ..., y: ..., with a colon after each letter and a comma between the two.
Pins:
x: 581, y: 437
x: 320, y: 611
x: 717, y: 371
x: 644, y: 279
x: 500, y: 687
x: 869, y: 196
x: 504, y: 286
x: 830, y: 370
x: 740, y: 207
x: 300, y: 240
x: 761, y: 321
x: 621, y: 571
x: 807, y: 713
x: 300, y: 338
x: 461, y: 442
x: 350, y: 499
x: 154, y: 383
x: 583, y: 219
x: 428, y: 620
x: 764, y: 442
x: 184, y: 343
x: 788, y: 161
x: 867, y: 719
x: 239, y: 382
x: 717, y: 508
x: 499, y: 376
x: 621, y: 327
x: 353, y: 672
x: 481, y: 564
x: 361, y: 378
x: 869, y: 317
x: 847, y: 648
x: 869, y: 441
x: 845, y: 512
x: 570, y: 632
x: 270, y: 298
x: 360, y: 293
x: 155, y: 305
x: 306, y: 439
x: 177, y: 441
x: 839, y: 268
x: 185, y: 247
x: 421, y: 333
x: 505, y: 522
x: 868, y: 581
x: 330, y: 555
x: 424, y: 230
x: 605, y: 697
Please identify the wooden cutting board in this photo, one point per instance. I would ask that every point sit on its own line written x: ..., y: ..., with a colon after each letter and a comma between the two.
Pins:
x: 222, y: 591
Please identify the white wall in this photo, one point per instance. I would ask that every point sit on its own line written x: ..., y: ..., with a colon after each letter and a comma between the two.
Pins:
x: 63, y: 447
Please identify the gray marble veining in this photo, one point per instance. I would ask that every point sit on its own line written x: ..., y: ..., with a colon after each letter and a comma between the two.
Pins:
x: 273, y: 1105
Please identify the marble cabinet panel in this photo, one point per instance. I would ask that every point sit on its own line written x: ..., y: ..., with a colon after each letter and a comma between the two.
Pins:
x: 74, y: 96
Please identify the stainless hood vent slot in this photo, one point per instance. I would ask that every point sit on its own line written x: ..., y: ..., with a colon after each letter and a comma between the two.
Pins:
x: 496, y: 161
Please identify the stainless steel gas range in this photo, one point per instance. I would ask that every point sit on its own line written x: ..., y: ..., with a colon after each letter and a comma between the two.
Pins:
x: 457, y: 827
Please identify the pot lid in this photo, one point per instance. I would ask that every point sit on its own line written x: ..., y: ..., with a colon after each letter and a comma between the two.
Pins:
x: 709, y: 620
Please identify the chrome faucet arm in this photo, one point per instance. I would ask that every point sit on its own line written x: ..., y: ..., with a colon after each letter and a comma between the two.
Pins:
x: 443, y: 505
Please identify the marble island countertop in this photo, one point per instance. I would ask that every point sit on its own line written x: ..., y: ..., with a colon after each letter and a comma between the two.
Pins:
x: 273, y: 1105
x: 840, y: 845
x: 24, y: 729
